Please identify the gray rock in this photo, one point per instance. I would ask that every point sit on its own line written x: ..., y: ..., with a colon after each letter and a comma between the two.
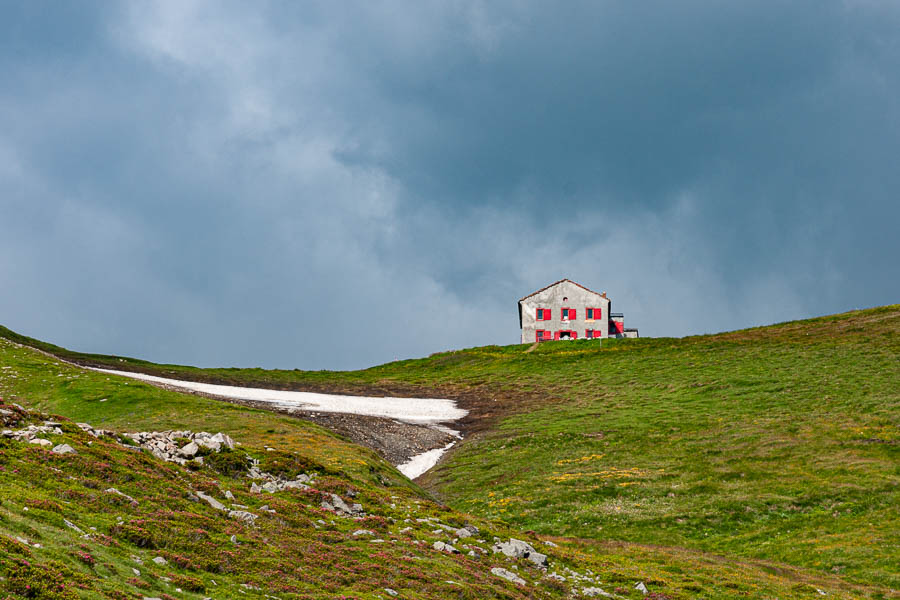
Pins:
x: 518, y: 549
x: 538, y: 558
x: 212, y: 501
x: 359, y: 532
x: 229, y: 495
x: 189, y: 450
x: 445, y: 547
x: 593, y: 592
x: 390, y: 592
x: 508, y: 575
x: 641, y: 588
x: 243, y: 515
x: 118, y: 493
x: 73, y: 526
x: 40, y: 441
x: 466, y: 532
x: 160, y: 560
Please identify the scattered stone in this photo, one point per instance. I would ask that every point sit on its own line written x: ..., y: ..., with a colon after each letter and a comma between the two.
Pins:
x: 359, y: 532
x: 508, y: 575
x: 136, y: 572
x: 229, y: 495
x: 641, y: 588
x: 73, y: 526
x: 40, y: 441
x: 189, y: 450
x: 126, y: 496
x: 466, y: 532
x: 518, y: 549
x: 243, y: 515
x: 444, y: 547
x: 211, y: 501
x: 160, y: 560
x: 592, y: 592
x: 390, y: 592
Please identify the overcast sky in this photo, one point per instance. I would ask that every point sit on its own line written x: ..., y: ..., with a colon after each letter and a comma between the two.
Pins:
x: 337, y: 184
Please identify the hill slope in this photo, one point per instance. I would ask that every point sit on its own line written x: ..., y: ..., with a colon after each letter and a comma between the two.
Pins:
x: 778, y: 445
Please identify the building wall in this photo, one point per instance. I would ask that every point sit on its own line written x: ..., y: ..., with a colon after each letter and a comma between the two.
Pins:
x: 552, y: 298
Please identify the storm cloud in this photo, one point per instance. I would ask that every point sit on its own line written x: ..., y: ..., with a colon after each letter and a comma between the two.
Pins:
x: 334, y: 185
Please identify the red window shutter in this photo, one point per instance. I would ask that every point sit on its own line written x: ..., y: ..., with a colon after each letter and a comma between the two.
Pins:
x: 598, y: 313
x: 574, y: 335
x: 556, y: 336
x: 547, y: 314
x: 571, y: 313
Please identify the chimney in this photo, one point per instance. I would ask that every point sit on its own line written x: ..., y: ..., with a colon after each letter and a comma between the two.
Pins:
x: 603, y: 294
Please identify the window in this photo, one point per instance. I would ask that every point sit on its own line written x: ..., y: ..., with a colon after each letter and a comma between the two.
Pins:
x: 542, y: 335
x: 594, y: 314
x: 542, y: 314
x: 564, y: 334
x: 589, y: 334
x: 568, y: 313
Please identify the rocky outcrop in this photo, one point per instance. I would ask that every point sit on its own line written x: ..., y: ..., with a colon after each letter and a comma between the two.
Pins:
x: 170, y: 446
x: 518, y: 549
x: 508, y: 575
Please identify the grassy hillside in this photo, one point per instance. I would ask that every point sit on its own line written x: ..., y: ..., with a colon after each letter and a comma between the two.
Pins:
x: 776, y: 446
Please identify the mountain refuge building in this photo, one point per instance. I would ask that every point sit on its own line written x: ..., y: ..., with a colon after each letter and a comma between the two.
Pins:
x: 566, y: 310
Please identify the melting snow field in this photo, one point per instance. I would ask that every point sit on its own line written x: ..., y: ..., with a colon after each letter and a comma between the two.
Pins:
x: 420, y: 411
x: 420, y: 463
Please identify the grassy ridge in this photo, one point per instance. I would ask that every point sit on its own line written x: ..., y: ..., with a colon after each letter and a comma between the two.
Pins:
x: 774, y: 444
x: 300, y: 550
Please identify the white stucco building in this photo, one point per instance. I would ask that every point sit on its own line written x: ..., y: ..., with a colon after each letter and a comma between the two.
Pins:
x: 566, y: 310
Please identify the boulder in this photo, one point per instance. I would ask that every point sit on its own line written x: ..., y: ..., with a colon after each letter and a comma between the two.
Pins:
x: 211, y: 501
x: 508, y: 575
x: 189, y: 450
x: 445, y: 547
x: 518, y: 549
x: 64, y: 449
x: 243, y: 515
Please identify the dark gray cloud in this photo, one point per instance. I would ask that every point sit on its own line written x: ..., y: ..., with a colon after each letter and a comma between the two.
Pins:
x: 330, y: 186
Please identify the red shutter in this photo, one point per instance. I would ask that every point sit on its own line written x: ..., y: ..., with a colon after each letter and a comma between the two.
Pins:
x: 547, y: 314
x: 574, y: 335
x: 556, y: 336
x: 598, y: 313
x: 572, y: 313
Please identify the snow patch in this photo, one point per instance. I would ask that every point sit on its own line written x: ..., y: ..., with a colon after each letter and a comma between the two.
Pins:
x: 420, y: 463
x: 422, y: 411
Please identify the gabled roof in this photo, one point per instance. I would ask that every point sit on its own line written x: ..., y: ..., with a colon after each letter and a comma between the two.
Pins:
x: 557, y: 283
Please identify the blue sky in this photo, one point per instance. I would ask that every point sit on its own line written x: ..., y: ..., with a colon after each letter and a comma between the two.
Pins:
x: 335, y: 185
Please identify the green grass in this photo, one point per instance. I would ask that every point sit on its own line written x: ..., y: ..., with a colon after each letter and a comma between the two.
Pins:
x: 762, y: 462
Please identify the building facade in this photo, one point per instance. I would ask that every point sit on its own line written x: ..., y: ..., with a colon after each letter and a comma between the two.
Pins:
x: 566, y: 310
